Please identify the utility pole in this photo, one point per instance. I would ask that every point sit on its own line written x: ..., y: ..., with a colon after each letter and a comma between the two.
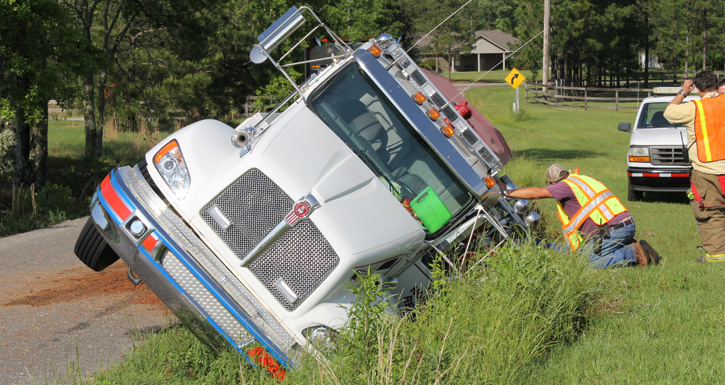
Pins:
x: 545, y: 65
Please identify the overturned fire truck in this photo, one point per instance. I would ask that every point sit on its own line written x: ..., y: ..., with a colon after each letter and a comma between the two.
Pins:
x: 250, y: 235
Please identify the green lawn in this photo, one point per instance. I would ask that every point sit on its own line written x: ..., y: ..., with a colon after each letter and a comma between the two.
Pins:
x: 658, y: 325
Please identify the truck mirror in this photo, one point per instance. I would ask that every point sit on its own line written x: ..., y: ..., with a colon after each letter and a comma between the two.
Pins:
x: 625, y: 127
x: 275, y: 34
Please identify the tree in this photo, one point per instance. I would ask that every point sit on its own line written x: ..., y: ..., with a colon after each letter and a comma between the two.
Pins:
x: 453, y: 36
x: 105, y: 25
x: 37, y: 63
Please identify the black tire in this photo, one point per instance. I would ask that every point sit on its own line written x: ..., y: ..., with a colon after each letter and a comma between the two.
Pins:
x: 92, y: 249
x: 634, y: 195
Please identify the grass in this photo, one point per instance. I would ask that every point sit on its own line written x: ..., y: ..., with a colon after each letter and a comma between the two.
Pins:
x: 530, y: 315
x: 661, y: 324
x: 71, y: 178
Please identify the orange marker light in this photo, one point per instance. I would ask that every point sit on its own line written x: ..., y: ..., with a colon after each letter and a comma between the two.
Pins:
x: 375, y: 50
x: 419, y: 97
x: 490, y: 182
x: 639, y: 159
x: 447, y: 130
x: 433, y: 114
x: 165, y: 150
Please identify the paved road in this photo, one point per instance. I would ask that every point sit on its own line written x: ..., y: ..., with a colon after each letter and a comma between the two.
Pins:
x: 58, y: 316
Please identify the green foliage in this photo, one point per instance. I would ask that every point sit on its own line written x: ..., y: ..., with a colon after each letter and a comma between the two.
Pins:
x: 359, y: 340
x: 355, y: 19
x: 276, y: 91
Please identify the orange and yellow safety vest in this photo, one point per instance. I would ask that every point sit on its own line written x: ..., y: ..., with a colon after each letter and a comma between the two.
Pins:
x: 710, y: 128
x: 597, y: 203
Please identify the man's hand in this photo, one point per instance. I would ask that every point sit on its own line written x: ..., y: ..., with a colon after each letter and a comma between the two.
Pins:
x: 687, y: 87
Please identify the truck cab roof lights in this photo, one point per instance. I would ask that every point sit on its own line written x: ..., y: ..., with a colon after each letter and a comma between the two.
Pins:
x: 419, y: 97
x: 448, y: 131
x: 375, y: 50
x: 490, y: 181
x: 433, y: 114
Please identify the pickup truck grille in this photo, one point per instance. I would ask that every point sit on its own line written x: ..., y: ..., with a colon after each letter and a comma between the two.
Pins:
x: 669, y: 155
x: 301, y: 258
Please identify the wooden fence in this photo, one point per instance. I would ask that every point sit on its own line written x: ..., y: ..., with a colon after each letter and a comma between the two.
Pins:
x: 586, y: 97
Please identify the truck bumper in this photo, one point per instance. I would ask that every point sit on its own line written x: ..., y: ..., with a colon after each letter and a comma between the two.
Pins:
x: 659, y: 180
x: 186, y: 276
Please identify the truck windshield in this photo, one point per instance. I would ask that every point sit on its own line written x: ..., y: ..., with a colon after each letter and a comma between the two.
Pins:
x: 653, y: 116
x: 358, y: 112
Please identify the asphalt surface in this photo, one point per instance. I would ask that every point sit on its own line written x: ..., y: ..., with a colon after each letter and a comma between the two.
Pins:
x: 59, y: 319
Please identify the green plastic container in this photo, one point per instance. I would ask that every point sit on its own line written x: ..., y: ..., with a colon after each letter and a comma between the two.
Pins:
x: 430, y: 209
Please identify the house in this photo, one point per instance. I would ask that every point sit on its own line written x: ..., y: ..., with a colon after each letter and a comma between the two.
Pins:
x: 489, y: 52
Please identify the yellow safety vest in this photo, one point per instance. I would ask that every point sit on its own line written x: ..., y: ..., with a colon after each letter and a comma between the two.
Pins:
x: 710, y: 128
x: 597, y: 203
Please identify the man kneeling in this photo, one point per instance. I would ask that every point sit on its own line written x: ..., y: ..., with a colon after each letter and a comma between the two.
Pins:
x: 593, y: 218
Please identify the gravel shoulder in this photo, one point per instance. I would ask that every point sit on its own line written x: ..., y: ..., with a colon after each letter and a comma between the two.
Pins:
x: 58, y: 318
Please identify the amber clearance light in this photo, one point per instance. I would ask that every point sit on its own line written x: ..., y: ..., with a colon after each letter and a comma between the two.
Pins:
x: 419, y: 97
x: 375, y: 50
x: 639, y: 159
x: 490, y: 182
x: 433, y: 114
x: 447, y: 130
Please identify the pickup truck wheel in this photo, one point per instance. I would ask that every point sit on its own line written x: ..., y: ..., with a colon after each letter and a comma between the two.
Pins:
x: 634, y: 195
x: 92, y: 249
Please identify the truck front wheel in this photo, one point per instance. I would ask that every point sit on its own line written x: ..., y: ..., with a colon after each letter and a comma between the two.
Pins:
x: 92, y: 249
x: 632, y: 194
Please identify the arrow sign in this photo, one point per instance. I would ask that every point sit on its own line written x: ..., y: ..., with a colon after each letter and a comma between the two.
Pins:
x: 515, y: 78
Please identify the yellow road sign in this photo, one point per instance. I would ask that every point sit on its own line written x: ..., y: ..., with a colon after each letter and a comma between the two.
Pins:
x: 515, y: 78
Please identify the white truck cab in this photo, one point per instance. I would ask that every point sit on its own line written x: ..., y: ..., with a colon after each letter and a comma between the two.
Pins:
x: 251, y: 235
x: 657, y: 159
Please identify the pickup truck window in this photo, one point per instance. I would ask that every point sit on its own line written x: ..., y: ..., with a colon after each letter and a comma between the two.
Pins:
x: 359, y: 113
x: 652, y: 116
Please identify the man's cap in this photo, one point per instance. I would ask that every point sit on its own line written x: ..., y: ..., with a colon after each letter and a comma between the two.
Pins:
x: 555, y: 173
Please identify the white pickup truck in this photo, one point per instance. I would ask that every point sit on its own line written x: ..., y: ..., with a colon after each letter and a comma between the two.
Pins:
x: 657, y: 159
x: 250, y: 235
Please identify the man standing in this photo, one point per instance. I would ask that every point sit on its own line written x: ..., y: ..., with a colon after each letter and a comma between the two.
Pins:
x: 705, y: 121
x: 593, y: 217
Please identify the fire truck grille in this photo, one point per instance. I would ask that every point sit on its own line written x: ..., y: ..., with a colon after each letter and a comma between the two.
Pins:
x: 296, y: 263
x: 669, y: 155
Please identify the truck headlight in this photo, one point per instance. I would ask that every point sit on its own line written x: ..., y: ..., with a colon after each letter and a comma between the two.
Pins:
x: 638, y: 154
x: 171, y: 165
x: 320, y: 336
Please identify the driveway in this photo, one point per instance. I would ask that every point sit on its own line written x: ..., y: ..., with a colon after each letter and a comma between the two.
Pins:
x: 58, y: 318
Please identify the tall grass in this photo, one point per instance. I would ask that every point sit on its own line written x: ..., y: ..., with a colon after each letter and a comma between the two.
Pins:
x: 483, y: 328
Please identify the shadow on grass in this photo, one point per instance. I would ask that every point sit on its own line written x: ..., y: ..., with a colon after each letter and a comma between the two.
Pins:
x: 665, y: 197
x: 555, y: 156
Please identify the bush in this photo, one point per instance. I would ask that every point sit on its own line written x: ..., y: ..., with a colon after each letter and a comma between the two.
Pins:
x: 486, y: 327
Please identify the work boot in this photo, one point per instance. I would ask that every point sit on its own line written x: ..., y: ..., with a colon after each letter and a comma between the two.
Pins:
x: 649, y: 251
x: 640, y: 255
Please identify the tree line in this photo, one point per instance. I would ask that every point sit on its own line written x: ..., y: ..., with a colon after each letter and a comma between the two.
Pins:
x: 156, y: 61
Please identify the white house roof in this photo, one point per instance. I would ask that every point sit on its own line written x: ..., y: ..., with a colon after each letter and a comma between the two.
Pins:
x: 494, y: 41
x: 487, y: 42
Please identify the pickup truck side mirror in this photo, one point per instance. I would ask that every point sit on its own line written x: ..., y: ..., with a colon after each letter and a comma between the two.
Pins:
x: 625, y: 127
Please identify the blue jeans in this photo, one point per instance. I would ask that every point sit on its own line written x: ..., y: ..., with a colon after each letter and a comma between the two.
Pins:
x: 616, y: 249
